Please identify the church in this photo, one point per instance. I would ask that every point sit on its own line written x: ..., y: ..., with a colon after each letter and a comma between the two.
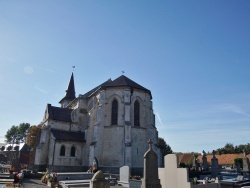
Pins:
x: 111, y: 123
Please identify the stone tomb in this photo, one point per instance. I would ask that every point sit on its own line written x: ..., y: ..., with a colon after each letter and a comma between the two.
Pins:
x: 124, y: 176
x: 173, y: 177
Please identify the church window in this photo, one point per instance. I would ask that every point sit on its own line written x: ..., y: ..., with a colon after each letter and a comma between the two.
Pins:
x: 114, y: 116
x: 62, y: 151
x: 136, y: 113
x: 73, y: 151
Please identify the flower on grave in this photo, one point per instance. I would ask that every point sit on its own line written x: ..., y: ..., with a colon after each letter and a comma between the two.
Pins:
x: 195, y: 180
x: 11, y: 170
x: 52, y: 177
x: 212, y: 180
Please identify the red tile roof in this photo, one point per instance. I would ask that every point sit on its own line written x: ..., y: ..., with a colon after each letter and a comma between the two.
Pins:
x: 223, y: 159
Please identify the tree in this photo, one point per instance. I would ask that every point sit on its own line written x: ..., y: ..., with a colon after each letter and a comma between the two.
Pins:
x: 17, y: 133
x: 164, y: 148
x: 33, y: 136
x: 11, y: 135
x: 227, y: 149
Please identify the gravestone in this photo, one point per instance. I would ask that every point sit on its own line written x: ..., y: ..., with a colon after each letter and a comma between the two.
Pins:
x: 194, y: 165
x: 171, y: 176
x: 238, y: 169
x: 98, y: 181
x: 150, y: 179
x: 124, y: 174
x: 204, y: 161
x: 246, y: 166
x: 214, y: 166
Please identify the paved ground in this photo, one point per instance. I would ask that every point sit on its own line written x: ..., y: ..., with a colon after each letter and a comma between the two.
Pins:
x: 33, y: 183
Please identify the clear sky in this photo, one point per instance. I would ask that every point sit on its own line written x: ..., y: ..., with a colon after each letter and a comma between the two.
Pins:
x: 193, y: 55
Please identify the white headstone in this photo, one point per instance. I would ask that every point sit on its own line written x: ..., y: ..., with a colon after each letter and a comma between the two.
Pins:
x: 124, y: 174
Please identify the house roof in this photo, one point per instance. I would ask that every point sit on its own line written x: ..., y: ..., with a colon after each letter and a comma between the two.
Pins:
x: 184, y: 158
x: 223, y: 159
x: 118, y: 82
x: 68, y: 136
x: 13, y: 147
x: 59, y: 114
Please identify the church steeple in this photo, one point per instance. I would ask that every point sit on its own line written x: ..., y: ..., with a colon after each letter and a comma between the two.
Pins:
x: 70, y: 93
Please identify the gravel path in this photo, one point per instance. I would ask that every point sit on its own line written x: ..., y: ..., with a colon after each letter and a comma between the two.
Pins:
x: 33, y: 183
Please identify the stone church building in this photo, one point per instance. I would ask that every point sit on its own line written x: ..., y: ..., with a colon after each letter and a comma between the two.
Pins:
x: 111, y: 123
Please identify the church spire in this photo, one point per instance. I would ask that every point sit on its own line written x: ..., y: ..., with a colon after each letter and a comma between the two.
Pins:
x: 70, y: 92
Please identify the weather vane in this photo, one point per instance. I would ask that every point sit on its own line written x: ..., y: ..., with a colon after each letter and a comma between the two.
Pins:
x: 73, y: 68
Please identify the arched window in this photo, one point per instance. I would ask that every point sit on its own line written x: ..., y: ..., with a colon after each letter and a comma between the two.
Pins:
x: 73, y: 151
x: 114, y: 115
x: 136, y: 113
x: 62, y: 151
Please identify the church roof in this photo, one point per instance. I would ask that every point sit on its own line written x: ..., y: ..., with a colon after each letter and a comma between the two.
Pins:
x: 59, y: 114
x: 118, y: 82
x: 68, y: 136
x: 70, y: 92
x: 95, y: 89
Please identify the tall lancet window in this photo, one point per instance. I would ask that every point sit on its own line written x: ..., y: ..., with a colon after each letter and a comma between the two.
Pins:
x: 62, y: 151
x: 136, y: 113
x: 114, y: 115
x: 73, y: 151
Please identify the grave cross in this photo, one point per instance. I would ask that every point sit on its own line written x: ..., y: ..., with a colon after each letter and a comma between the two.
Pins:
x: 213, y: 154
x: 150, y: 144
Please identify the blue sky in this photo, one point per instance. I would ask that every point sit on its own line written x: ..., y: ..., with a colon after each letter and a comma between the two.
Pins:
x: 193, y: 55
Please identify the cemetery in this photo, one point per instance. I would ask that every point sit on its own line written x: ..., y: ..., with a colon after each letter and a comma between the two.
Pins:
x: 201, y: 175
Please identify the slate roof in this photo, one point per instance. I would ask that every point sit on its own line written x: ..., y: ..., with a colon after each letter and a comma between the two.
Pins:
x: 89, y: 93
x: 118, y: 82
x: 59, y: 114
x: 68, y: 136
x: 70, y: 92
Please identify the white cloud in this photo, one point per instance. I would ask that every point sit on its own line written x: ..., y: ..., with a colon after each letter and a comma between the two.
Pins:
x: 234, y: 109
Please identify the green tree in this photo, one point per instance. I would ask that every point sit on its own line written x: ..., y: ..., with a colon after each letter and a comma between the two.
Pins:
x: 164, y: 148
x: 11, y: 135
x: 227, y: 149
x: 17, y: 133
